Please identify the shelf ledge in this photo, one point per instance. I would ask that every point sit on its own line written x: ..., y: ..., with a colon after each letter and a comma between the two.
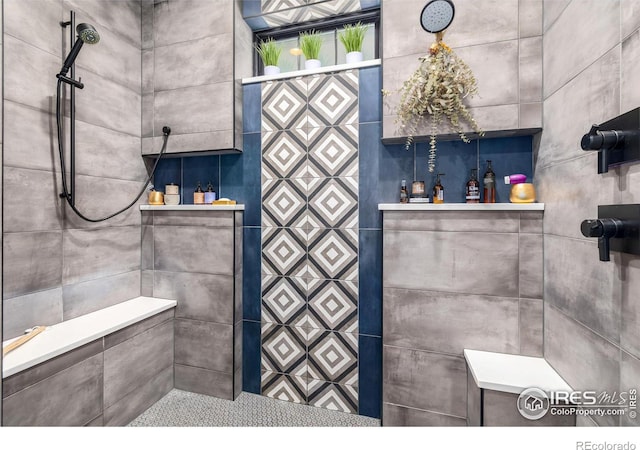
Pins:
x: 461, y: 207
x: 191, y: 207
x: 302, y: 73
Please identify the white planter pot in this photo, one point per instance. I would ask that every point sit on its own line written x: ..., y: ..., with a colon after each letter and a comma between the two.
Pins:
x: 354, y: 57
x: 271, y: 70
x: 312, y: 64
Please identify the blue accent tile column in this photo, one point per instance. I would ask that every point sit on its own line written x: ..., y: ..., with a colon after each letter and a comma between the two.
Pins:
x: 251, y: 274
x: 371, y: 282
x: 370, y: 376
x: 251, y: 356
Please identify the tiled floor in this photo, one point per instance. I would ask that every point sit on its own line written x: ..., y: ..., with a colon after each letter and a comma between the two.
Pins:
x: 186, y: 409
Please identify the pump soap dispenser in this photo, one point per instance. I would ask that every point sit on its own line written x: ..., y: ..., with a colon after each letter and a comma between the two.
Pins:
x: 210, y: 195
x: 198, y: 195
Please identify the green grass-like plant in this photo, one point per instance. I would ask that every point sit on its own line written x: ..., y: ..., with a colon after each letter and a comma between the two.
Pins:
x: 310, y: 44
x: 269, y: 51
x: 352, y: 37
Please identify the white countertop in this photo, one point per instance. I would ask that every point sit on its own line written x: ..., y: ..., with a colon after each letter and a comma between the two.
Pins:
x: 191, y: 207
x: 65, y: 336
x: 461, y: 207
x: 513, y: 373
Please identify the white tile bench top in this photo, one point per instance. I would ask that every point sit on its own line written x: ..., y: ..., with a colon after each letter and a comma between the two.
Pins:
x: 513, y: 373
x: 65, y: 336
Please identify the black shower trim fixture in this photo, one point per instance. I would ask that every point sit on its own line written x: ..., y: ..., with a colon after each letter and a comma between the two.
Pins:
x: 86, y: 34
x: 617, y: 228
x: 617, y: 141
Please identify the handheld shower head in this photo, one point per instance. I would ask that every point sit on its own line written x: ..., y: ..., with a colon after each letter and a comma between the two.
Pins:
x: 86, y: 33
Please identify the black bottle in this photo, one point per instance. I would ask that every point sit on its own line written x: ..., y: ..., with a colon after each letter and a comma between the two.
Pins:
x: 489, y: 184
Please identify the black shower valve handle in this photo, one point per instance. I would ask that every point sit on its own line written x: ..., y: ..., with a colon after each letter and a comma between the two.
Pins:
x: 603, y: 229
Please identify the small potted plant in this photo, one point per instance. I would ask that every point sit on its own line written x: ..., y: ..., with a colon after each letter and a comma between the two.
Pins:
x: 352, y: 37
x: 270, y: 51
x: 310, y: 44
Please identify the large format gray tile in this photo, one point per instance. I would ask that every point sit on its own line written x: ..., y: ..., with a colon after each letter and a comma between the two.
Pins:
x: 530, y: 53
x: 447, y: 262
x: 92, y: 254
x: 28, y: 138
x: 552, y: 10
x: 425, y: 380
x: 629, y: 376
x: 531, y: 327
x: 89, y: 296
x: 570, y: 111
x: 132, y: 364
x: 189, y: 142
x: 630, y: 64
x: 173, y: 61
x: 402, y: 416
x: 117, y: 195
x: 147, y: 23
x: 128, y: 408
x: 103, y: 152
x: 204, y: 344
x: 500, y: 410
x: 114, y: 57
x: 31, y: 262
x: 495, y: 66
x: 570, y: 46
x: 146, y: 248
x: 118, y: 337
x: 195, y: 109
x: 568, y: 199
x: 42, y: 371
x: 630, y: 17
x: 108, y: 104
x: 203, y: 381
x: 18, y: 13
x: 200, y: 296
x: 590, y: 292
x: 194, y: 249
x: 122, y: 17
x: 474, y: 401
x: 630, y: 327
x: 186, y: 20
x: 530, y: 115
x: 34, y: 191
x: 531, y: 271
x: 27, y: 311
x: 29, y: 74
x: 585, y: 360
x: 530, y: 18
x: 146, y: 283
x: 148, y: 73
x: 497, y: 222
x: 81, y: 382
x: 531, y: 222
x: 449, y: 323
x: 209, y: 219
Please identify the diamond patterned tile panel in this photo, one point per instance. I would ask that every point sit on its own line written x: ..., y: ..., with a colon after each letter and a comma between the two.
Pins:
x: 284, y: 300
x: 270, y: 6
x: 284, y: 204
x: 333, y: 305
x: 333, y: 152
x: 284, y: 105
x: 284, y: 154
x: 335, y: 397
x: 333, y: 357
x: 284, y: 349
x: 333, y: 203
x: 284, y: 252
x: 333, y: 254
x: 284, y: 387
x: 333, y: 99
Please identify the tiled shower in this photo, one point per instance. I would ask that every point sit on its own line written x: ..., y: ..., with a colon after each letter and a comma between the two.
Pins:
x: 319, y: 153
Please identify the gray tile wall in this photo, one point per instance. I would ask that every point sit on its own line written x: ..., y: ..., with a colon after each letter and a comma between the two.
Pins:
x: 502, y: 46
x: 57, y: 266
x: 590, y: 314
x: 191, y: 78
x: 108, y: 382
x: 196, y: 258
x: 453, y: 281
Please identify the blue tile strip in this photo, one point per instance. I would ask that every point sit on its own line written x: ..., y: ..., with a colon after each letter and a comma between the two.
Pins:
x: 251, y: 356
x: 370, y: 260
x: 251, y: 274
x: 370, y: 376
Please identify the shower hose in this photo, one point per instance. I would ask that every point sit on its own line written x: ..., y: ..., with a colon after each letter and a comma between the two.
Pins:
x: 65, y: 193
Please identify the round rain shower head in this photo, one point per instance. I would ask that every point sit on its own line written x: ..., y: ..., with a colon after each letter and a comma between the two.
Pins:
x: 87, y: 33
x: 437, y: 15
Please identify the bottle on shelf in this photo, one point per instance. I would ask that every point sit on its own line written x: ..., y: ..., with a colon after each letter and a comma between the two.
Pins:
x: 198, y: 195
x: 438, y: 190
x: 404, y: 194
x: 473, y: 188
x: 210, y: 195
x: 489, y: 184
